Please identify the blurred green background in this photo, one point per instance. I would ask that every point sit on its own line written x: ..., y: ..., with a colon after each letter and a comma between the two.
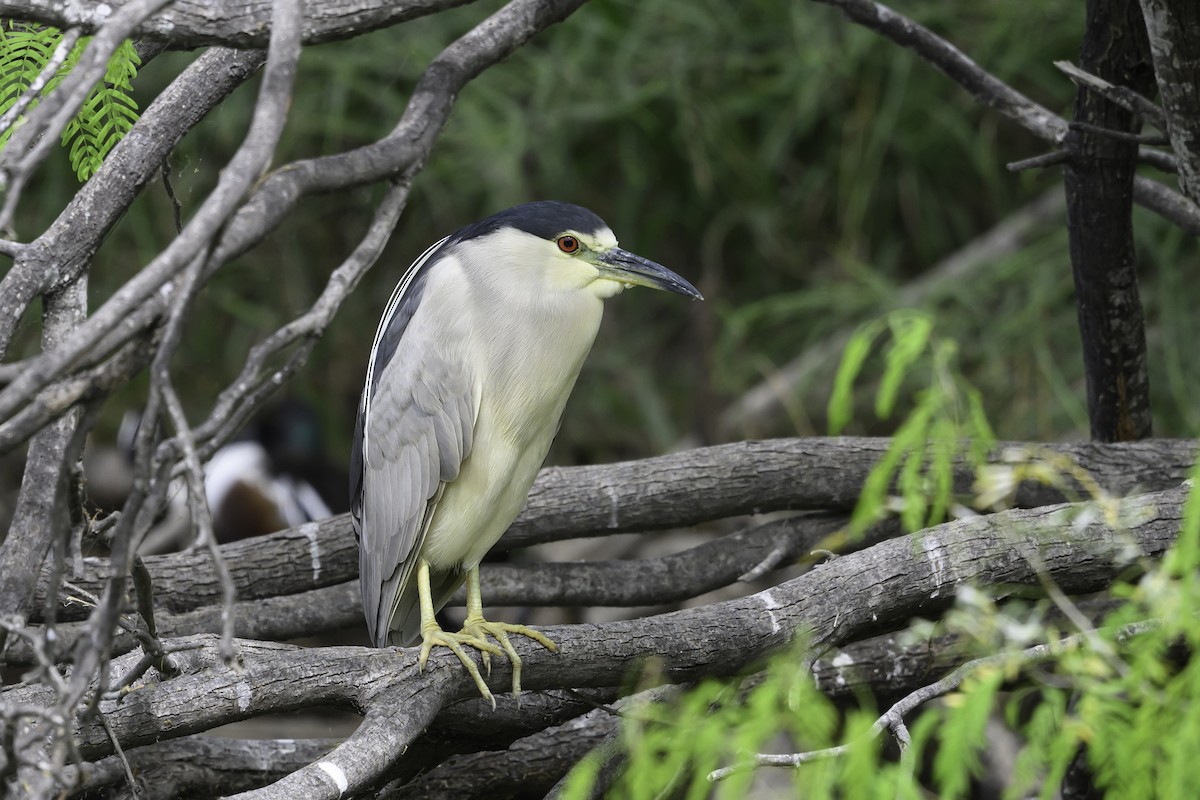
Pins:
x: 798, y: 169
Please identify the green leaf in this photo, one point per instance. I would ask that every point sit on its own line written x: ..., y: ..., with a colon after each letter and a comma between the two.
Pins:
x: 841, y: 401
x: 910, y: 334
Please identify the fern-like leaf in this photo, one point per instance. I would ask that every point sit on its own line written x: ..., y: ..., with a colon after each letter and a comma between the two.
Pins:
x: 107, y: 114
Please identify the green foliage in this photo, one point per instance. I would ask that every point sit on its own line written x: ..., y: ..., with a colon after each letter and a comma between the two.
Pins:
x: 673, y: 746
x: 107, y: 114
x: 1132, y: 696
x: 946, y: 416
x: 1128, y: 690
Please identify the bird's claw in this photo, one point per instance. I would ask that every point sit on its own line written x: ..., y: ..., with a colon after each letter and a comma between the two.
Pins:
x: 455, y: 641
x: 479, y: 628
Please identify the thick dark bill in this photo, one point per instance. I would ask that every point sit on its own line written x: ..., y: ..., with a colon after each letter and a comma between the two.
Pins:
x: 626, y: 267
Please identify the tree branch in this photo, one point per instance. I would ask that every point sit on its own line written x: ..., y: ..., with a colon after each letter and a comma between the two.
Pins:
x: 1172, y: 27
x: 233, y: 23
x: 837, y: 602
x: 996, y: 94
x: 66, y: 247
x: 667, y: 491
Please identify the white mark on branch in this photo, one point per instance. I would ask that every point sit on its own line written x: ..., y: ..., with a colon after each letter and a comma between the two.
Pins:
x: 766, y: 565
x: 615, y: 505
x: 334, y: 771
x: 937, y: 561
x: 771, y: 604
x: 310, y: 530
x: 840, y: 662
x: 244, y: 695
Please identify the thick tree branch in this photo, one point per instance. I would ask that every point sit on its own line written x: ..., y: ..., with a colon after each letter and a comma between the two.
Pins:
x: 203, y: 766
x: 837, y: 602
x: 528, y: 767
x: 233, y: 23
x: 675, y: 490
x: 41, y: 505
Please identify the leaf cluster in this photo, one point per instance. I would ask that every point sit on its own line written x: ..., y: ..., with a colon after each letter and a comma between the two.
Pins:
x: 107, y: 114
x: 944, y: 414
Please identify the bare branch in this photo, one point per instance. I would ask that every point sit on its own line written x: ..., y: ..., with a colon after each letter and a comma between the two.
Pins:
x: 741, y: 556
x: 206, y: 765
x: 41, y: 512
x: 994, y: 93
x: 1126, y: 98
x: 837, y: 602
x: 67, y: 246
x: 233, y: 23
x: 30, y: 143
x: 668, y: 491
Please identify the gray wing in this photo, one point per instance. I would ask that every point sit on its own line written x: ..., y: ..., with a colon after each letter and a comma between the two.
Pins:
x: 414, y: 429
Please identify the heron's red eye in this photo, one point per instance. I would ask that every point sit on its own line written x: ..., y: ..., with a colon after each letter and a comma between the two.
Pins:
x: 568, y: 244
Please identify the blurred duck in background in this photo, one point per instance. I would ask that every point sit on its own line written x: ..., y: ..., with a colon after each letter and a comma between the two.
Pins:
x: 275, y: 475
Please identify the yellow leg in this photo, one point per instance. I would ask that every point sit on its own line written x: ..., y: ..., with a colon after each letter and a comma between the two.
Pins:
x: 476, y: 628
x: 432, y: 634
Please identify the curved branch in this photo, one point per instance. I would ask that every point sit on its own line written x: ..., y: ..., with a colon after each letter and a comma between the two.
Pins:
x: 407, y: 145
x: 68, y: 244
x: 402, y: 152
x: 741, y: 556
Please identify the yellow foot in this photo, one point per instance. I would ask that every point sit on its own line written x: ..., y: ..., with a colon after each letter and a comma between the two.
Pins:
x: 432, y: 635
x: 477, y: 628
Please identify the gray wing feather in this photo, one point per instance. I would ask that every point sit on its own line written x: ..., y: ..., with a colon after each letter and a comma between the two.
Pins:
x: 414, y: 430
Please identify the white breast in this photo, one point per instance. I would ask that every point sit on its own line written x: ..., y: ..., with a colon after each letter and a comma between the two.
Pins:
x: 529, y: 357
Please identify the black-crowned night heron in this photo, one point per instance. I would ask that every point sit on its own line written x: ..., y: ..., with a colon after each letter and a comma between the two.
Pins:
x: 473, y: 361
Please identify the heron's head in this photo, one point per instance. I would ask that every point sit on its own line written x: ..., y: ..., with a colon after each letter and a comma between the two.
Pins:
x: 552, y: 245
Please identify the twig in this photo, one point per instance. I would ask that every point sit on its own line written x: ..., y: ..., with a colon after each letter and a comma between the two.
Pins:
x: 202, y: 516
x: 254, y: 381
x: 1122, y: 96
x: 176, y: 206
x: 893, y: 718
x: 119, y: 752
x: 1038, y: 162
x: 1122, y: 136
